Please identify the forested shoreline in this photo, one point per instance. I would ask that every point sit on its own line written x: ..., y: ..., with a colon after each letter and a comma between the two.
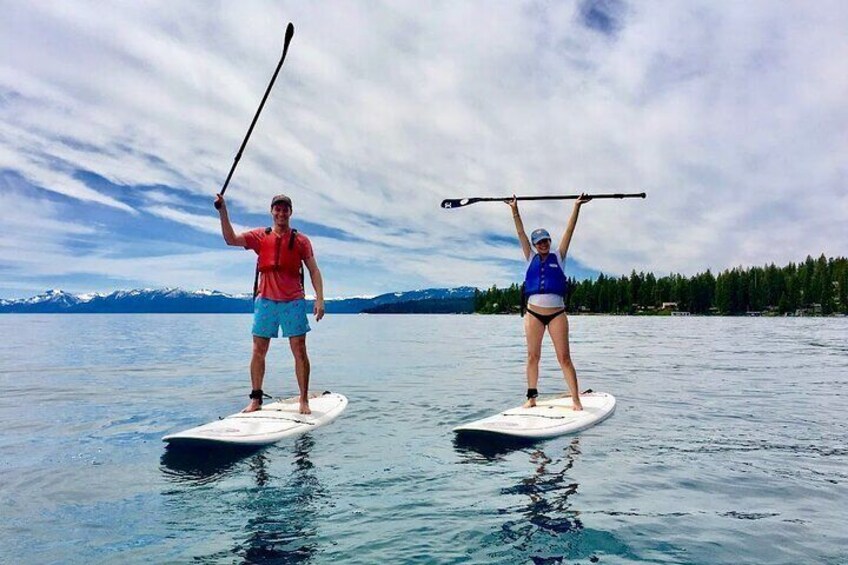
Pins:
x: 813, y: 287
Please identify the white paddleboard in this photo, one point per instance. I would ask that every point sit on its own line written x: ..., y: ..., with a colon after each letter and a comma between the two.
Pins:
x: 552, y: 416
x: 274, y: 422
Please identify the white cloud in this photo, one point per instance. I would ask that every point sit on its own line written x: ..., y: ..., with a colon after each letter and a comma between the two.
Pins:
x: 206, y: 224
x: 730, y: 115
x: 24, y: 217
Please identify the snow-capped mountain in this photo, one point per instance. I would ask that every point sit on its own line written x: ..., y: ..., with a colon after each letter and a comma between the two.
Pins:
x: 175, y: 300
x: 48, y: 301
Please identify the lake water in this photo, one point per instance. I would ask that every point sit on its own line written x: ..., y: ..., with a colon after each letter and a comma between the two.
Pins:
x: 729, y: 444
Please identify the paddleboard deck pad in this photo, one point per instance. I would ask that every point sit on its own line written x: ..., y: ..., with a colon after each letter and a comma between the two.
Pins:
x: 276, y: 420
x: 552, y: 416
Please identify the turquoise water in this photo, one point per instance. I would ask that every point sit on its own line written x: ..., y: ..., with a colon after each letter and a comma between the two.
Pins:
x: 729, y: 444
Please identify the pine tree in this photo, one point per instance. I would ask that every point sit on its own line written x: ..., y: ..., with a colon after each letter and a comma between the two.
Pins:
x: 822, y: 281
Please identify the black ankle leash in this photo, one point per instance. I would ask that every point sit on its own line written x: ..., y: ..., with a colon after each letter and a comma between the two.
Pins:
x: 257, y: 394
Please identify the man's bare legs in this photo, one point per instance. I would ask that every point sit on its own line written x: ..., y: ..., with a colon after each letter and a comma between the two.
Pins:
x: 257, y: 370
x: 301, y: 370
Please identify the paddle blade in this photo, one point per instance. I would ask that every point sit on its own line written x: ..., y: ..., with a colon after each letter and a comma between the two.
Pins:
x: 289, y: 35
x: 458, y: 202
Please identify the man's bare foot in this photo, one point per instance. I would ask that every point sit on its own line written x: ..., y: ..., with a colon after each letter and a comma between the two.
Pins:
x: 531, y: 402
x: 304, y: 407
x: 255, y: 404
x: 577, y: 404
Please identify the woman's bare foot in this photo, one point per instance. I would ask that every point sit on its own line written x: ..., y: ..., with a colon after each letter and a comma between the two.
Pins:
x: 304, y: 407
x: 531, y: 402
x: 255, y: 404
x: 576, y: 403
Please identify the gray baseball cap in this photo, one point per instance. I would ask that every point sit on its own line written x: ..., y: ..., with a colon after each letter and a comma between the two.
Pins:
x: 281, y: 199
x: 538, y: 235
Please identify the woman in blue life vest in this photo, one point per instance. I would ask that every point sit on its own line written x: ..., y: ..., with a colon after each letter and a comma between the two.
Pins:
x: 545, y: 288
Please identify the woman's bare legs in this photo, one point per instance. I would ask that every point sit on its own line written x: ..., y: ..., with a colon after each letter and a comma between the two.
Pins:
x: 558, y: 330
x: 534, y: 330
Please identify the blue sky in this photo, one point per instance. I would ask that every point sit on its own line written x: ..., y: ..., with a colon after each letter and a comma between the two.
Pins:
x: 119, y: 122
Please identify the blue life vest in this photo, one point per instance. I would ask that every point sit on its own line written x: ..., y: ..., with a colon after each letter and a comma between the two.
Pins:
x: 545, y: 277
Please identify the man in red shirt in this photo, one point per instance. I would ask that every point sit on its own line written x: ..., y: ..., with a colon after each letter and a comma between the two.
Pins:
x: 279, y: 302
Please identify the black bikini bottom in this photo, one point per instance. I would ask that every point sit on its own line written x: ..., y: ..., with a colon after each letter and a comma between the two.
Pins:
x: 546, y: 318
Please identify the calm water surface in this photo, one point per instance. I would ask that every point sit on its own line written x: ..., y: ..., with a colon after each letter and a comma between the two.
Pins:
x: 729, y: 444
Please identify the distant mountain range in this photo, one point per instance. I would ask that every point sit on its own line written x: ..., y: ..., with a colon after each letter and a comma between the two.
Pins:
x: 178, y: 301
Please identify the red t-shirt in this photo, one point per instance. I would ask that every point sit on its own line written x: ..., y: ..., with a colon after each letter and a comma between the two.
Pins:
x: 280, y: 285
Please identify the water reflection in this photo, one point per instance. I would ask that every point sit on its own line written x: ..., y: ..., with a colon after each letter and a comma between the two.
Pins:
x: 548, y: 487
x: 282, y: 526
x: 546, y: 527
x: 272, y: 520
x: 548, y: 490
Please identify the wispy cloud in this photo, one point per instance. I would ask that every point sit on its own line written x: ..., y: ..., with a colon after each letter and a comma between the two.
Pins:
x: 202, y: 223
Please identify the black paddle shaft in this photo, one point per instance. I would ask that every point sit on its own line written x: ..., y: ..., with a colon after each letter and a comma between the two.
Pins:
x: 289, y: 35
x: 460, y: 202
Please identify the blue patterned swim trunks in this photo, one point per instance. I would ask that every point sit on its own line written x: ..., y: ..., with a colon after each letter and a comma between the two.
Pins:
x: 270, y: 315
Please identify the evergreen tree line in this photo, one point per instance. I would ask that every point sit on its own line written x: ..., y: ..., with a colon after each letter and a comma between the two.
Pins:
x: 816, y: 286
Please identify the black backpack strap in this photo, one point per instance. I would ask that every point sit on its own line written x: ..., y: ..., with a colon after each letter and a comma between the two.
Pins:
x: 256, y: 276
x: 292, y: 237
